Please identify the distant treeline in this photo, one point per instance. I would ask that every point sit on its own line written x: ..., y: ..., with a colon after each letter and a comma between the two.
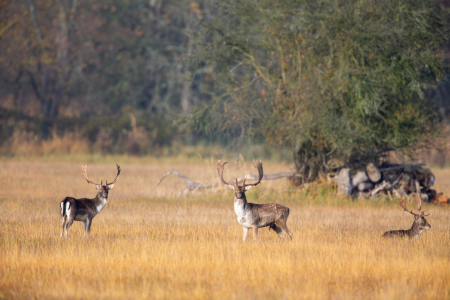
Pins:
x: 98, y: 67
x: 329, y: 80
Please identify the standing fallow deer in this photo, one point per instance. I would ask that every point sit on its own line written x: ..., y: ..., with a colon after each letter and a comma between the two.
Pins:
x: 420, y: 223
x: 85, y: 209
x: 251, y: 215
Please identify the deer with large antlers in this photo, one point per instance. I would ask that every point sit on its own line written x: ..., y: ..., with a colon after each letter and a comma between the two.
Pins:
x: 85, y: 209
x: 251, y: 215
x: 420, y: 223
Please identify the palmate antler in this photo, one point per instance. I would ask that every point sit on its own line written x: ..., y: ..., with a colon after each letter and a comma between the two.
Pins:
x: 117, y: 176
x: 220, y: 166
x: 418, y: 207
x: 257, y: 165
x: 84, y: 173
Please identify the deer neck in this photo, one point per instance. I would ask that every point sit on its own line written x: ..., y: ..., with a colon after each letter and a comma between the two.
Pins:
x: 239, y: 206
x: 414, y: 231
x: 100, y: 202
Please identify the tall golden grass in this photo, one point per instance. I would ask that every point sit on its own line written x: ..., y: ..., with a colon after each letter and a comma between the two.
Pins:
x: 151, y: 243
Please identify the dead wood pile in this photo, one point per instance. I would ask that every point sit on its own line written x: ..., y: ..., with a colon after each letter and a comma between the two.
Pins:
x: 395, y: 179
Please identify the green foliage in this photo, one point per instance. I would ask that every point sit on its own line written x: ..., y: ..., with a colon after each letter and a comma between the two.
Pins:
x: 330, y: 80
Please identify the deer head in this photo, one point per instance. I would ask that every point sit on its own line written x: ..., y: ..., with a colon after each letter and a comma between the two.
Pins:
x: 102, y: 189
x: 239, y: 191
x: 418, y: 218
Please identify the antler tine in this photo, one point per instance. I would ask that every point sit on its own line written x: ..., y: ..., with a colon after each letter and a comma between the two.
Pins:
x: 419, y: 202
x: 220, y: 166
x: 419, y: 197
x: 84, y: 173
x: 419, y: 206
x: 257, y: 165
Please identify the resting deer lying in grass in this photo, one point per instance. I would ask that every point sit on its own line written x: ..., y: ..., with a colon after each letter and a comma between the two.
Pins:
x: 417, y: 227
x: 255, y: 216
x: 85, y: 209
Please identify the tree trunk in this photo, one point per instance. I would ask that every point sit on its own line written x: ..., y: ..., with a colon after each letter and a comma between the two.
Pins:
x: 49, y: 88
x: 309, y: 162
x: 186, y: 92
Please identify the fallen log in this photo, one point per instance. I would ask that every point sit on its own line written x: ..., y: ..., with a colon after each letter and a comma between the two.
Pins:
x: 270, y: 176
x: 360, y: 177
x: 386, y: 186
x: 190, y: 185
x: 401, y: 167
x: 365, y: 186
x: 193, y: 185
x: 345, y: 186
x: 373, y: 173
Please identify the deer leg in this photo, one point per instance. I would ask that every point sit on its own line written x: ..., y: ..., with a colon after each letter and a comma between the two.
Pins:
x: 84, y: 228
x: 88, y: 225
x: 255, y: 232
x: 69, y: 223
x: 244, y: 235
x: 63, y: 217
x: 277, y: 230
x: 286, y: 230
x: 69, y: 216
x: 63, y: 221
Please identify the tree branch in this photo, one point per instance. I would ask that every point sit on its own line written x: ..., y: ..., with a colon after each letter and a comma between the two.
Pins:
x: 32, y: 10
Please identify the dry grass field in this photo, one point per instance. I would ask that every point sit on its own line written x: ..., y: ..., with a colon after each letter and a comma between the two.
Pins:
x: 151, y: 243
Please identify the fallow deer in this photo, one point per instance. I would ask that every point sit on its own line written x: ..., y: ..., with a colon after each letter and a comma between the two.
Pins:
x: 420, y: 223
x: 251, y: 215
x: 85, y: 209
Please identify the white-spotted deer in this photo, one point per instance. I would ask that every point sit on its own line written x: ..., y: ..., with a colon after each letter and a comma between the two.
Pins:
x: 251, y: 215
x: 420, y: 223
x: 85, y: 209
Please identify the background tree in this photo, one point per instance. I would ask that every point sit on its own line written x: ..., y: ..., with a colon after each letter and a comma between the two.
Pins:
x: 337, y: 82
x: 67, y: 64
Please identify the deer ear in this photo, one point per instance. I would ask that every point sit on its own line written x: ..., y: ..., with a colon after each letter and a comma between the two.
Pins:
x: 97, y: 187
x: 110, y: 186
x: 248, y: 187
x: 231, y: 187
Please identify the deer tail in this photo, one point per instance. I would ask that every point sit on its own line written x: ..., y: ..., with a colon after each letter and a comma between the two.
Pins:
x: 63, y: 206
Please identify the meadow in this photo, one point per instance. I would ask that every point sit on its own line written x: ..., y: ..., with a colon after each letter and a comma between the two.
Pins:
x: 153, y: 243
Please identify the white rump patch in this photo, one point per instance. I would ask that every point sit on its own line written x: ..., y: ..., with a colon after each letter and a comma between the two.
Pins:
x: 68, y: 209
